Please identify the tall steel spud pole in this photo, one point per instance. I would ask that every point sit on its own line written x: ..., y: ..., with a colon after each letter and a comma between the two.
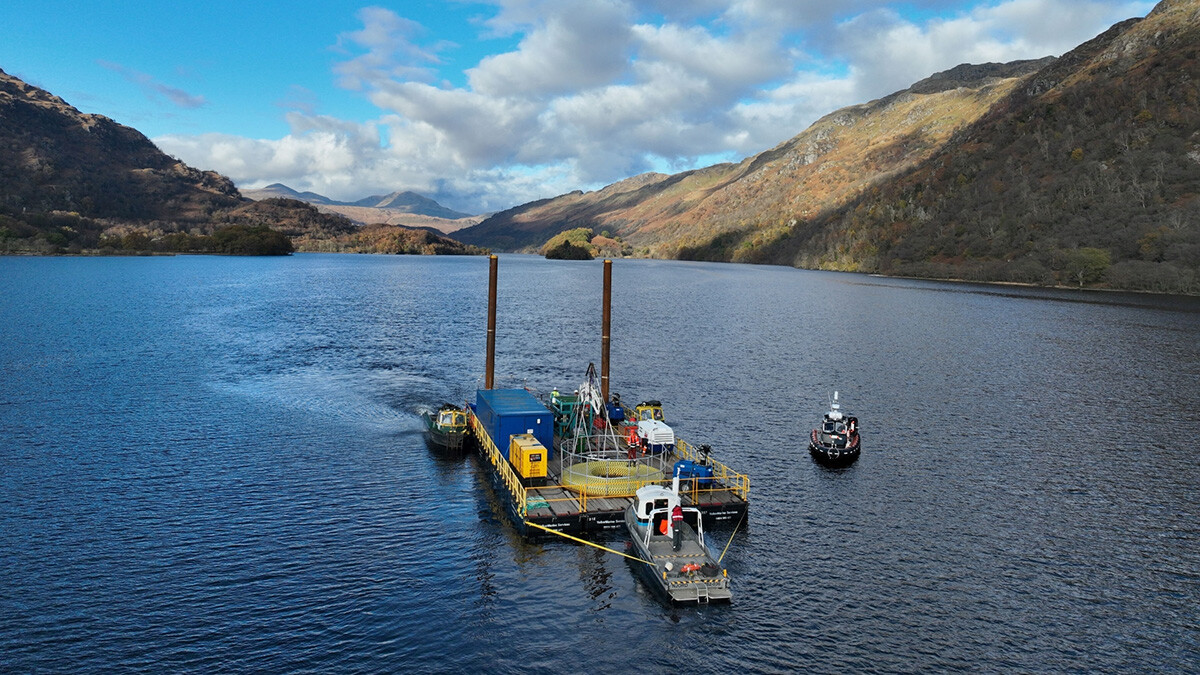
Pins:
x: 490, y: 379
x: 605, y: 329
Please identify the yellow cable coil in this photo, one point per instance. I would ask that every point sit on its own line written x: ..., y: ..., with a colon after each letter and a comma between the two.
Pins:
x: 609, y: 477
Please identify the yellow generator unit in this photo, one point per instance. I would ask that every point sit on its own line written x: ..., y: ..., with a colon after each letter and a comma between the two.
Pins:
x: 528, y: 455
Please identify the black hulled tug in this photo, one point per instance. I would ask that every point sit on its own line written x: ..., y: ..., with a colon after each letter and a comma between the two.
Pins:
x: 836, y: 442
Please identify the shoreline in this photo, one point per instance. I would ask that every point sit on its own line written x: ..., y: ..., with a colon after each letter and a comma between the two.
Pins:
x: 97, y: 253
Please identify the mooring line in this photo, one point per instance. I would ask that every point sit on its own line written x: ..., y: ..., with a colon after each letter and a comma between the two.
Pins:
x: 735, y: 529
x: 589, y: 543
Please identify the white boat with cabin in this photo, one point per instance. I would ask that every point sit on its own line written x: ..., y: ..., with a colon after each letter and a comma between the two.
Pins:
x: 684, y: 573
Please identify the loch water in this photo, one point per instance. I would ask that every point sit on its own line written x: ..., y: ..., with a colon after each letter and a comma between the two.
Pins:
x: 214, y: 464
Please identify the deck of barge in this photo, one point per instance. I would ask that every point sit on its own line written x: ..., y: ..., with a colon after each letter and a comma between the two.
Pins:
x: 549, y: 503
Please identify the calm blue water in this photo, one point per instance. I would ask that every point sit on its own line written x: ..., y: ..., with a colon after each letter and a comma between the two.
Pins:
x: 214, y: 464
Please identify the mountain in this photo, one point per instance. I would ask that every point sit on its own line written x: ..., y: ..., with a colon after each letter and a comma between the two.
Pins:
x: 676, y: 215
x: 73, y: 182
x: 1082, y: 170
x: 410, y: 202
x: 281, y: 191
x: 1088, y: 173
x: 398, y: 208
x: 55, y: 158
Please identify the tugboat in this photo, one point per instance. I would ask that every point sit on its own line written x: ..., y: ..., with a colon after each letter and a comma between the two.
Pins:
x: 446, y: 428
x: 679, y: 563
x: 837, y: 442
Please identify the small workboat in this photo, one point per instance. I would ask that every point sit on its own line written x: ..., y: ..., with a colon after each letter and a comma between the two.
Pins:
x: 446, y: 428
x: 836, y: 442
x: 678, y: 563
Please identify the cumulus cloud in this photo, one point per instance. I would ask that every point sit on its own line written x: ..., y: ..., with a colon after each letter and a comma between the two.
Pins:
x: 597, y: 90
x: 575, y: 44
x: 153, y: 88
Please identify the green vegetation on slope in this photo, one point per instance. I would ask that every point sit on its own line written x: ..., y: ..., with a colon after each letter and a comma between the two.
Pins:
x: 1088, y: 175
x: 393, y: 239
x: 1082, y: 170
x: 62, y: 233
x: 570, y: 245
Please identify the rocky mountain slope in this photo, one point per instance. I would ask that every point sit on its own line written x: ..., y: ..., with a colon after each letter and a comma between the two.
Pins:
x: 72, y: 182
x: 55, y: 158
x: 1088, y: 173
x: 1078, y: 170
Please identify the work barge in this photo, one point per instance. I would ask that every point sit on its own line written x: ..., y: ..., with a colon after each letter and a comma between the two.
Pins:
x: 573, y: 463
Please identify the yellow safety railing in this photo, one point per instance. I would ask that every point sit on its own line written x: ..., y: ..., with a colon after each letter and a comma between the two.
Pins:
x: 500, y: 463
x: 727, y: 479
x: 737, y: 483
x: 723, y: 480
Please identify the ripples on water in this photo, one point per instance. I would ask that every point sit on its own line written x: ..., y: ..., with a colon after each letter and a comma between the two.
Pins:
x: 216, y: 464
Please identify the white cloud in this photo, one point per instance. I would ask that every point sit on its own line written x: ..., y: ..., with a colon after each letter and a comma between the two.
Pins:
x: 598, y: 90
x: 574, y: 44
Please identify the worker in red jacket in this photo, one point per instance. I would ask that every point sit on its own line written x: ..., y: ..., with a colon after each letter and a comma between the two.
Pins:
x: 677, y: 527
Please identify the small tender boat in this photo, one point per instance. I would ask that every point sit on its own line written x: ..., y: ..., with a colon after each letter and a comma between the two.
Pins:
x: 836, y: 442
x: 446, y: 428
x: 680, y: 565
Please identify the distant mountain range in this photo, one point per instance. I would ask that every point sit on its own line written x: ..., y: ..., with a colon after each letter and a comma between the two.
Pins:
x: 402, y: 208
x: 1081, y: 170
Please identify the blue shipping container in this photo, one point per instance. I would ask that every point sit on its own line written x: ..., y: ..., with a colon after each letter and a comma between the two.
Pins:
x: 505, y: 412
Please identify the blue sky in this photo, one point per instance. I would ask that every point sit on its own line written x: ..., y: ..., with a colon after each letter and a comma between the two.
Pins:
x: 485, y: 105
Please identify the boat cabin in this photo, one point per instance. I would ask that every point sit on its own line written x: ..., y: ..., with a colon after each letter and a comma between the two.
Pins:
x: 833, y: 426
x: 653, y: 505
x: 654, y: 498
x: 649, y: 411
x: 451, y: 419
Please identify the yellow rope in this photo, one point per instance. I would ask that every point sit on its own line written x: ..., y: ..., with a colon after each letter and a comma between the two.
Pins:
x: 735, y: 529
x: 584, y: 541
